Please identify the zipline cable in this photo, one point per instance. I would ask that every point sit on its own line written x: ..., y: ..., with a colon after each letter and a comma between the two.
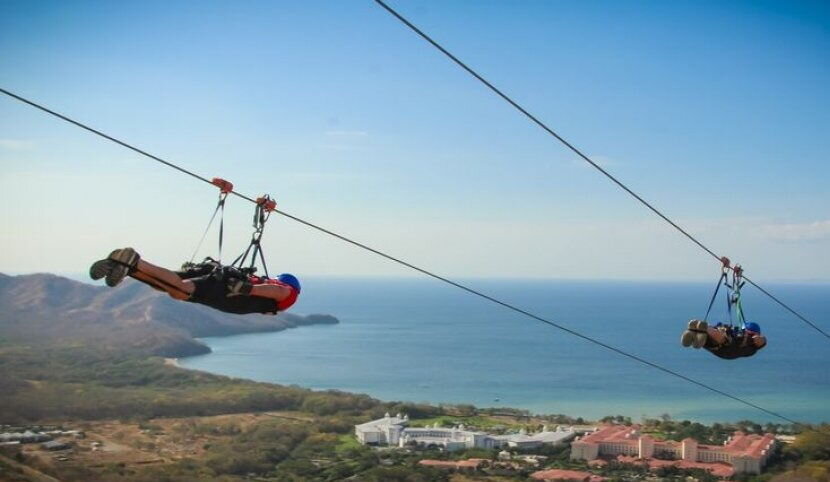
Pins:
x: 587, y: 159
x: 421, y: 270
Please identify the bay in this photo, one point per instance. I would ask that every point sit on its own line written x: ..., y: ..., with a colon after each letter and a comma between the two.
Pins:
x: 420, y: 340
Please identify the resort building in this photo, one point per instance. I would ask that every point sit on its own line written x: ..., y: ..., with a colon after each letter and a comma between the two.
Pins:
x: 741, y: 453
x: 395, y: 431
x: 384, y: 431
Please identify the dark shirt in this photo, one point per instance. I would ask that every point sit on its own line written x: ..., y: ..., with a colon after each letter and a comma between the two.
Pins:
x: 213, y: 292
x: 731, y: 351
x: 735, y: 347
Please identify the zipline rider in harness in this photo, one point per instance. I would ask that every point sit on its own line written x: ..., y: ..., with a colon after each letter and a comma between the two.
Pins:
x: 727, y: 341
x: 232, y: 289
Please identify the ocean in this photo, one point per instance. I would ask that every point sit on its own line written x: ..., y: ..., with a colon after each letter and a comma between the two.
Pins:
x: 423, y: 341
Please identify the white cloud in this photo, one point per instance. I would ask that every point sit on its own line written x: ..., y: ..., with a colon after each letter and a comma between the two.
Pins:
x: 16, y: 144
x: 815, y: 231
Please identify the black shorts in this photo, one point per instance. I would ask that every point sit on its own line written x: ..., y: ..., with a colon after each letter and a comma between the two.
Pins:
x: 213, y: 292
x: 731, y: 350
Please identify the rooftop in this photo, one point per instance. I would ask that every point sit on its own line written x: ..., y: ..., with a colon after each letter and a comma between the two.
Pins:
x: 613, y: 433
x: 386, y: 421
x: 751, y: 445
x: 740, y: 443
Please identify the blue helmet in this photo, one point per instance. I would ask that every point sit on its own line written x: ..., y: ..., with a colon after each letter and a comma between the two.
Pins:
x: 290, y: 280
x: 752, y: 326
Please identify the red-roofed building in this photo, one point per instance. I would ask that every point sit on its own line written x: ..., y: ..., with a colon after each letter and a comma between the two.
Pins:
x: 742, y: 453
x: 566, y: 475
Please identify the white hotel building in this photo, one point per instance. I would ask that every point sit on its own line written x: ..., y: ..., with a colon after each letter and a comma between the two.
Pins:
x: 394, y: 431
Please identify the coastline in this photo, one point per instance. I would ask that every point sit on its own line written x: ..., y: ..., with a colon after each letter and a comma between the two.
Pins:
x: 307, y: 358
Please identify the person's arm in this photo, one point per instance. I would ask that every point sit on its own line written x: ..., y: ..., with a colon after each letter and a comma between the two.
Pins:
x: 275, y: 292
x: 759, y: 341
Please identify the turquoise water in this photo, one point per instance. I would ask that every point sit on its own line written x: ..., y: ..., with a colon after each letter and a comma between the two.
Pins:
x: 419, y: 340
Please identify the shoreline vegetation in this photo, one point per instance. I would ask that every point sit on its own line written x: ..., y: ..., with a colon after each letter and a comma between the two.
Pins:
x: 79, y: 357
x: 173, y: 362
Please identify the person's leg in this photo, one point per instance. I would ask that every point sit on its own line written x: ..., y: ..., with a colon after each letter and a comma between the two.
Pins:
x: 718, y: 342
x: 162, y: 279
x: 171, y: 290
x: 126, y: 262
x: 717, y: 336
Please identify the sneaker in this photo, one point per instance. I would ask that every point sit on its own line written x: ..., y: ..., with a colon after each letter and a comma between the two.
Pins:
x: 127, y: 256
x: 701, y: 334
x: 688, y: 338
x: 123, y: 262
x: 100, y: 268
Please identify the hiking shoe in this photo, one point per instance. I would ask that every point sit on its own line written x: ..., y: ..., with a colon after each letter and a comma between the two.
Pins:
x: 688, y: 338
x: 127, y: 256
x: 100, y: 268
x: 701, y: 334
x: 123, y: 262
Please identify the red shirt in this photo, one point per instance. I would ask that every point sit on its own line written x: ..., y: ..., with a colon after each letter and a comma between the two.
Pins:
x: 287, y: 302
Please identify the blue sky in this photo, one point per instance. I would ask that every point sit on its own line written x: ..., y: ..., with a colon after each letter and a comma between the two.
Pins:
x: 718, y: 112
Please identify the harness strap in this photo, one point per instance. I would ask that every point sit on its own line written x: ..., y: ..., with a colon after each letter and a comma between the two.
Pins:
x: 220, y: 209
x: 722, y: 279
x: 737, y: 284
x: 264, y: 206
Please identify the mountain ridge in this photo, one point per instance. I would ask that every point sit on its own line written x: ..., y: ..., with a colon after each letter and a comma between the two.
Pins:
x: 47, y: 309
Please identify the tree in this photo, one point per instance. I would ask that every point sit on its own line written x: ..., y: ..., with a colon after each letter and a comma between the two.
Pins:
x: 814, y: 444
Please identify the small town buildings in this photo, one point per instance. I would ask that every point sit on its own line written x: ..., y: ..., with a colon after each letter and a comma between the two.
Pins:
x: 579, y: 429
x: 523, y: 440
x: 395, y: 431
x: 55, y: 445
x: 26, y: 437
x: 741, y: 453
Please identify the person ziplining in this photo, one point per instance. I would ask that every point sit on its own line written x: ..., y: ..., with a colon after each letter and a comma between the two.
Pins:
x: 231, y: 289
x: 726, y: 340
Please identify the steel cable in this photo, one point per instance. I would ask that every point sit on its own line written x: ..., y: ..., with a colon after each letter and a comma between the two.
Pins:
x: 421, y: 270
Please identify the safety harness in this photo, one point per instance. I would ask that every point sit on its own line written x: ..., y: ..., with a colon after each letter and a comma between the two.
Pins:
x: 225, y: 188
x: 237, y: 269
x: 737, y: 322
x: 264, y: 207
x: 733, y: 294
